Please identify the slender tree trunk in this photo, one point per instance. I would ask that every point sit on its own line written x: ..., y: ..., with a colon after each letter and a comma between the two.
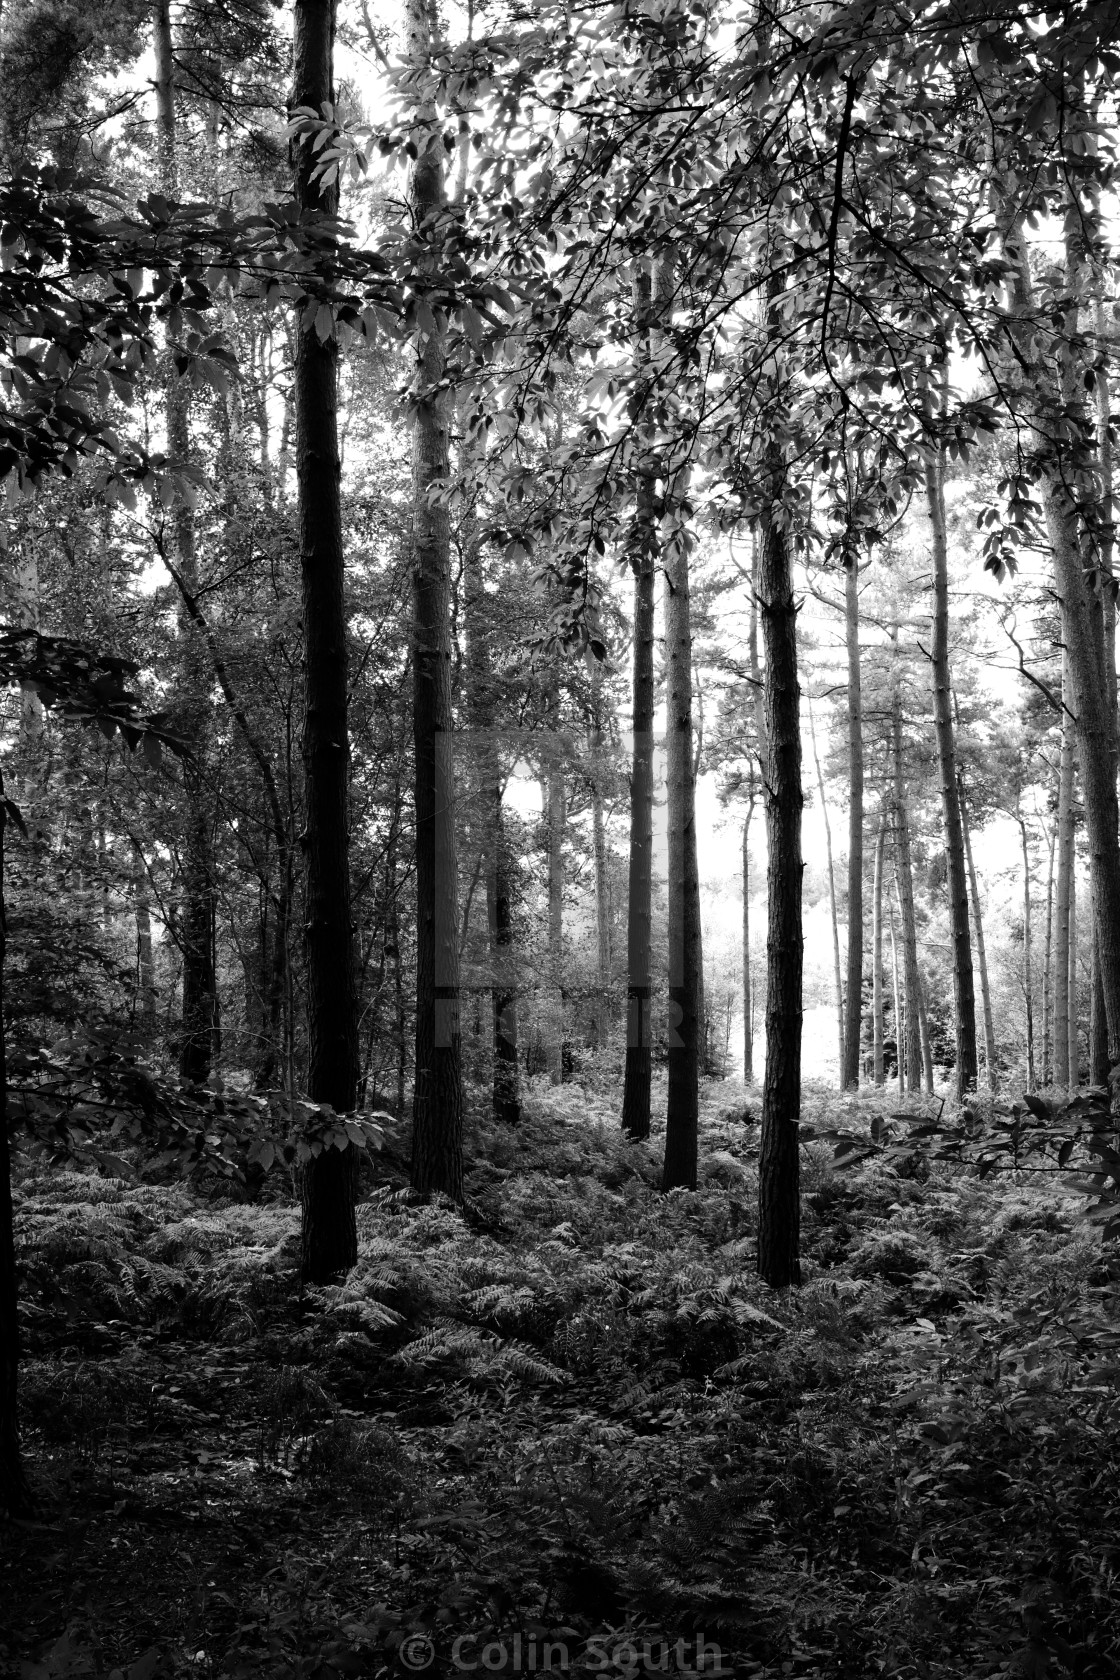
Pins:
x: 196, y: 922
x: 779, y: 1206
x: 899, y: 1046
x: 329, y: 1243
x: 963, y: 990
x: 904, y: 884
x: 837, y: 975
x: 639, y: 912
x: 850, y: 1070
x: 1074, y: 989
x: 145, y: 968
x: 748, y: 1027
x: 923, y: 1035
x: 877, y: 956
x: 1028, y: 962
x: 602, y: 882
x: 437, y: 1130
x: 1048, y: 974
x: 981, y: 948
x: 684, y: 1027
x: 1062, y: 891
x: 554, y: 814
x: 1098, y: 1026
x: 15, y: 1495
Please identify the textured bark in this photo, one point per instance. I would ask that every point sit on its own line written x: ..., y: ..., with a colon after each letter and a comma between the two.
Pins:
x: 981, y: 947
x: 779, y: 1207
x: 1074, y: 993
x: 684, y: 1026
x: 877, y: 956
x: 555, y: 817
x: 904, y: 883
x: 196, y: 918
x: 899, y: 1047
x: 478, y: 665
x: 437, y: 1132
x: 837, y: 979
x: 145, y: 968
x: 329, y: 1244
x: 639, y: 911
x: 1063, y: 881
x: 1048, y: 975
x: 1028, y: 958
x: 850, y: 1070
x: 1099, y: 1067
x: 15, y: 1495
x: 923, y: 1034
x: 602, y: 881
x: 748, y: 1000
x: 963, y: 988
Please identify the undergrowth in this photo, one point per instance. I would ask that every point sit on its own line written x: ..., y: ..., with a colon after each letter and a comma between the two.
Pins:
x: 574, y: 1413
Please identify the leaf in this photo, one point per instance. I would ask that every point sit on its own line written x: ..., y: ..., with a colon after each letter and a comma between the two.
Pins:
x: 324, y: 322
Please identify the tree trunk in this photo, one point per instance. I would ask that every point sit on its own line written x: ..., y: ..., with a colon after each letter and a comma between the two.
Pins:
x: 1048, y: 975
x: 899, y: 1048
x: 329, y: 1244
x: 850, y: 1070
x: 1098, y: 1026
x: 196, y: 922
x: 963, y: 989
x: 1062, y: 890
x: 437, y: 1108
x: 779, y: 1207
x: 145, y: 968
x: 923, y: 1035
x: 684, y: 1026
x: 1028, y: 964
x: 837, y: 977
x: 15, y: 1495
x: 904, y: 884
x: 877, y: 957
x: 1074, y: 990
x: 639, y: 910
x: 554, y: 816
x: 602, y: 882
x: 748, y: 1027
x: 981, y: 948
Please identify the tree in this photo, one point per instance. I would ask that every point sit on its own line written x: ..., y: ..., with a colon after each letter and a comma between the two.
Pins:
x: 329, y: 1240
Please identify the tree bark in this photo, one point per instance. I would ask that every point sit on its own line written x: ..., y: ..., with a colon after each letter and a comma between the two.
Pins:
x: 963, y: 988
x: 15, y: 1495
x: 899, y: 1047
x: 1062, y: 889
x: 602, y: 882
x: 981, y: 947
x: 904, y: 883
x: 145, y: 968
x: 850, y: 1070
x: 1074, y: 989
x: 684, y: 1027
x: 877, y: 956
x: 923, y: 1034
x: 837, y: 978
x: 748, y: 1002
x: 1048, y: 974
x: 554, y: 817
x: 329, y: 1243
x: 1028, y: 962
x: 437, y: 1110
x: 779, y: 1207
x: 639, y: 910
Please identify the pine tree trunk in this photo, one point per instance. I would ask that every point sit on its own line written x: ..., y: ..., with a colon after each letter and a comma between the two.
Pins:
x: 877, y: 957
x: 837, y: 977
x: 963, y: 988
x: 145, y: 967
x: 602, y: 881
x: 329, y: 1244
x: 1048, y: 973
x: 1074, y: 990
x: 15, y: 1495
x: 684, y: 1026
x: 196, y: 921
x: 779, y: 1207
x: 1028, y: 958
x: 1098, y: 1026
x: 748, y: 1028
x: 639, y: 910
x: 1062, y: 890
x: 437, y: 1107
x: 899, y: 1046
x: 554, y: 816
x: 904, y: 884
x: 981, y: 948
x: 923, y: 1035
x: 850, y: 1070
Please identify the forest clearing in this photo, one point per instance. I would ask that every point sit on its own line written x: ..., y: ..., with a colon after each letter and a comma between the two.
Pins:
x: 559, y: 839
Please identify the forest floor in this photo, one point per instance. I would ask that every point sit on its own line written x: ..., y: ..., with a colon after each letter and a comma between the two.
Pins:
x: 572, y: 1432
